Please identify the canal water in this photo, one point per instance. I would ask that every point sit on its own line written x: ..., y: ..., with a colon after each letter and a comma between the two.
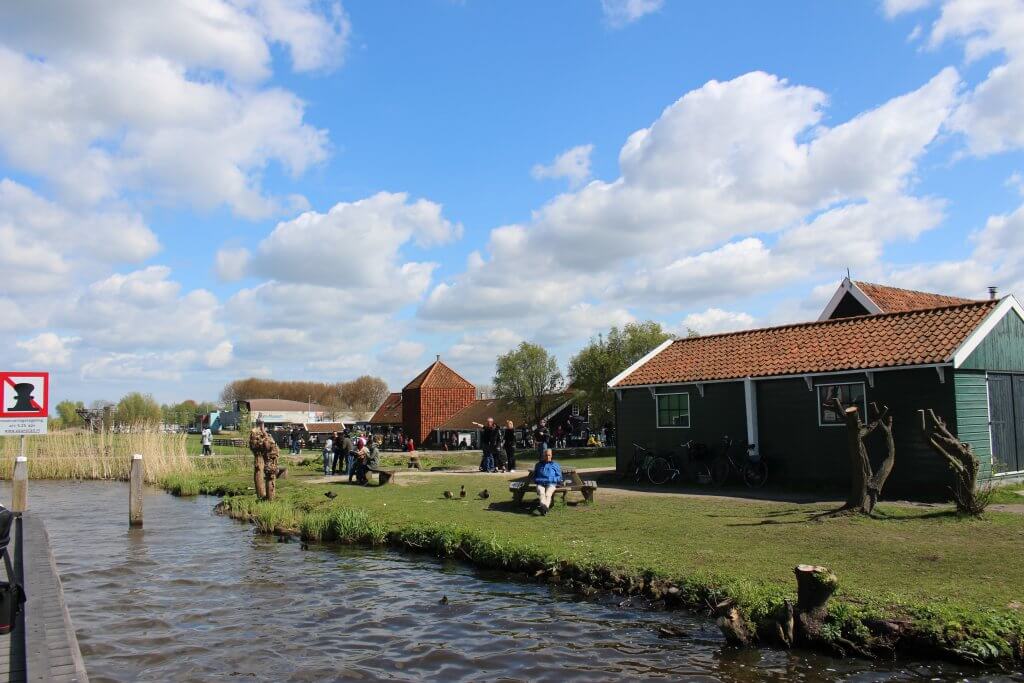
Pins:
x: 198, y: 597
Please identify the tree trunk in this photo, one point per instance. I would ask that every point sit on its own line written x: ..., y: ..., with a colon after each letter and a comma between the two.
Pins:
x: 259, y: 476
x: 860, y: 466
x: 961, y: 459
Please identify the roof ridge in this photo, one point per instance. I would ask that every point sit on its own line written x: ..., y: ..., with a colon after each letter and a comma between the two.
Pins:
x: 839, y: 321
x: 913, y: 291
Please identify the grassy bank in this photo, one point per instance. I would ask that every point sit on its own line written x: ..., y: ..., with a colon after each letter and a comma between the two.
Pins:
x: 103, y: 455
x: 954, y: 582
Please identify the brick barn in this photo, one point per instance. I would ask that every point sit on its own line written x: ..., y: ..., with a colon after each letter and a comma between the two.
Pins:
x: 435, y: 395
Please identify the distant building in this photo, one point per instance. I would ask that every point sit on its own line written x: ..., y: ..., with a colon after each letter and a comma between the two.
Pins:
x: 559, y: 411
x: 278, y: 411
x: 389, y: 414
x: 432, y: 397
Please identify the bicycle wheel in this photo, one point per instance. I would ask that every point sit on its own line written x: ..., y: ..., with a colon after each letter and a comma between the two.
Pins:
x: 702, y: 473
x: 659, y: 471
x: 720, y: 471
x: 755, y: 474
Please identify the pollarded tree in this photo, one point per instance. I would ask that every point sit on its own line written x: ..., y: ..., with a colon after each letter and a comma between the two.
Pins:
x: 865, y: 483
x: 525, y: 377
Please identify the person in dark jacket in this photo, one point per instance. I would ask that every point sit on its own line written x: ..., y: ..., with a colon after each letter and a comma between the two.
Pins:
x: 547, y: 475
x: 542, y: 439
x: 342, y: 448
x: 490, y: 437
x: 510, y: 446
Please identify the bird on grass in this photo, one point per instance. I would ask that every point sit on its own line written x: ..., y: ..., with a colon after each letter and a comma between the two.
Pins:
x: 484, y: 495
x: 331, y: 494
x: 462, y: 492
x: 449, y: 495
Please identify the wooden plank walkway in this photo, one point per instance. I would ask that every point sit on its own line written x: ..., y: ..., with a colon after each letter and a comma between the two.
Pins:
x: 43, y: 645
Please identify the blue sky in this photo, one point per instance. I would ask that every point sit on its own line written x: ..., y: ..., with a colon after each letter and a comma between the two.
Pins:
x: 297, y: 189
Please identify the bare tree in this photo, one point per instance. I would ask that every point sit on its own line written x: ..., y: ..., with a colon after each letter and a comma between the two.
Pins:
x: 865, y: 485
x: 961, y: 459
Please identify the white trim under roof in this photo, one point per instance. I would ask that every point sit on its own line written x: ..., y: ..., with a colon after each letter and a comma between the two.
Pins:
x: 806, y: 376
x: 848, y: 285
x: 967, y: 347
x: 628, y: 371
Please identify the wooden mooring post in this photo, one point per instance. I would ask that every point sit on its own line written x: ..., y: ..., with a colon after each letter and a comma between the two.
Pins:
x: 19, y: 493
x: 135, y: 493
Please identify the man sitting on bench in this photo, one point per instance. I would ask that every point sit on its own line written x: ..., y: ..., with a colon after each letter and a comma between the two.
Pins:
x: 547, y: 475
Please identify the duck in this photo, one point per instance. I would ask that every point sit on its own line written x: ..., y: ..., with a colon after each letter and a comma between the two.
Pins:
x: 484, y: 495
x: 462, y: 492
x: 449, y: 495
x: 331, y: 494
x: 443, y: 600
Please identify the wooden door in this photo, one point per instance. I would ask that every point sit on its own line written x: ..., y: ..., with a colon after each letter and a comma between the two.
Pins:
x: 1002, y: 419
x: 1018, y: 417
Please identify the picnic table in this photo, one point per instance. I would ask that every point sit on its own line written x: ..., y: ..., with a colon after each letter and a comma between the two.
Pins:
x: 571, y: 482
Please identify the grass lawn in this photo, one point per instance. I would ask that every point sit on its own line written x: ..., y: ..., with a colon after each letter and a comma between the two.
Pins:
x: 194, y: 444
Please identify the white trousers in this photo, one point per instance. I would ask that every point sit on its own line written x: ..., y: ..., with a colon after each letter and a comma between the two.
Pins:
x: 546, y: 494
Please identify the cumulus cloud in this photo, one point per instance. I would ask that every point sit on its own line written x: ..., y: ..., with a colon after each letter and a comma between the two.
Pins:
x: 47, y: 350
x: 572, y: 164
x: 618, y: 13
x: 714, y: 321
x: 230, y: 264
x: 700, y: 189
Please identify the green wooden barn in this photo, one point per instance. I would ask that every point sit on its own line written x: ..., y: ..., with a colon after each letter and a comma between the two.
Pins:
x: 770, y: 387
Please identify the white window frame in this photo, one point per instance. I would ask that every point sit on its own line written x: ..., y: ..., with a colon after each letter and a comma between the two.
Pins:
x: 657, y: 412
x: 817, y: 396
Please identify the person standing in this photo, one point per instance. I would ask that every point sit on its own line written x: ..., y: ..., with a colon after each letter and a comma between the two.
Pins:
x: 547, y: 475
x: 489, y: 438
x: 541, y: 438
x: 207, y: 441
x: 329, y: 454
x: 510, y: 446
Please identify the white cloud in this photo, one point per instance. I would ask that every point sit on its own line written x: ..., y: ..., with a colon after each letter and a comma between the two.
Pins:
x: 714, y: 321
x: 572, y: 164
x: 403, y: 352
x: 163, y: 100
x: 231, y: 263
x: 618, y: 13
x: 220, y: 356
x: 1016, y: 181
x: 47, y: 350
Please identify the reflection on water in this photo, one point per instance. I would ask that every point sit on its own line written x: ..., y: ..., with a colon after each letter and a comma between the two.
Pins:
x: 195, y: 596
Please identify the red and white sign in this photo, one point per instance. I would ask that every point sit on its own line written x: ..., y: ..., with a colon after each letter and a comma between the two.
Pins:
x: 25, y: 394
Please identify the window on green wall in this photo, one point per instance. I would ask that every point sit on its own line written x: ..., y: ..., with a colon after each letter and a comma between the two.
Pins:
x: 851, y: 394
x: 673, y: 410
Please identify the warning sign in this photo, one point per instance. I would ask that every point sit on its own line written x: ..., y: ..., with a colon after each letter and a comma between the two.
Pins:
x: 25, y: 394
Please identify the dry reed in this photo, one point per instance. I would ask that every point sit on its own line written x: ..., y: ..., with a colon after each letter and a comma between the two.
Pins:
x: 102, y: 455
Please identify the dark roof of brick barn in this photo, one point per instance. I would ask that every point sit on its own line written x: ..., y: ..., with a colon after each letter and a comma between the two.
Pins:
x: 439, y: 376
x: 919, y: 337
x: 390, y: 411
x: 502, y: 411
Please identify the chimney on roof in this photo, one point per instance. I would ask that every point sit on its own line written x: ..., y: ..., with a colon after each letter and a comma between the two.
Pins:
x: 438, y: 358
x: 992, y: 292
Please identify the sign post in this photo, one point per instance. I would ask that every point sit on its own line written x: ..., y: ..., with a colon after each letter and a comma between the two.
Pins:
x: 25, y: 404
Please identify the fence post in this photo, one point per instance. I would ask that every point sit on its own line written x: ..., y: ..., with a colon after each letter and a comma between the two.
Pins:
x: 135, y: 493
x: 19, y: 484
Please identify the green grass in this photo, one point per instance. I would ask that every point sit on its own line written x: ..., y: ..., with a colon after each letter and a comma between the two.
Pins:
x: 194, y: 444
x: 1007, y: 495
x: 956, y: 577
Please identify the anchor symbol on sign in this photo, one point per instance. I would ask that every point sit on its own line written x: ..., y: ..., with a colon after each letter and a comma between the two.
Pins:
x: 23, y: 400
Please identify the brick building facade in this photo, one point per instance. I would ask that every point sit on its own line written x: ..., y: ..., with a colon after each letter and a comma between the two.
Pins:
x: 435, y: 395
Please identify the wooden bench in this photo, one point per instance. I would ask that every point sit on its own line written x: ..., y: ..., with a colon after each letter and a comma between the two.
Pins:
x: 237, y: 443
x: 571, y: 482
x: 383, y: 476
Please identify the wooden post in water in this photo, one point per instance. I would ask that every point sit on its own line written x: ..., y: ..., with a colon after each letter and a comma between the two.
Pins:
x: 135, y: 493
x: 19, y: 494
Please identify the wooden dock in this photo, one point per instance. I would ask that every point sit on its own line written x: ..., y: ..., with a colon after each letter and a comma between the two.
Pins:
x: 43, y: 645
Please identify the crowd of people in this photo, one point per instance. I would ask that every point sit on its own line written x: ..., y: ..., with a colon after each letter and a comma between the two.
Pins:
x: 343, y: 455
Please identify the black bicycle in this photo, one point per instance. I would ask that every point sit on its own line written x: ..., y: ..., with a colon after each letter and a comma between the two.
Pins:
x: 751, y: 467
x: 641, y: 462
x: 693, y: 463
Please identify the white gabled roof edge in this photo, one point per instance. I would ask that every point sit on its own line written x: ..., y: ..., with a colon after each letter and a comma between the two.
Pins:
x: 848, y: 285
x: 628, y: 371
x: 1002, y: 309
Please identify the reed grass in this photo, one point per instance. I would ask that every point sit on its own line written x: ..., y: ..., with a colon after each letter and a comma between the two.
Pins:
x: 101, y: 455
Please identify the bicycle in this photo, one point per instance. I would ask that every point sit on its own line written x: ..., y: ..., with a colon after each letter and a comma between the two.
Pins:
x: 753, y: 470
x: 666, y: 469
x: 641, y: 461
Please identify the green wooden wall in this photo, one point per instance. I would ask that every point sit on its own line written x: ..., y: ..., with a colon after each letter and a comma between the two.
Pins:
x: 1002, y: 349
x: 972, y: 416
x: 720, y: 412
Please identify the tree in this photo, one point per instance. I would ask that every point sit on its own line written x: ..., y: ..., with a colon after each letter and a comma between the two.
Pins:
x: 524, y: 377
x: 865, y: 484
x: 962, y: 461
x: 363, y: 393
x: 67, y: 415
x: 138, y: 409
x: 603, y: 358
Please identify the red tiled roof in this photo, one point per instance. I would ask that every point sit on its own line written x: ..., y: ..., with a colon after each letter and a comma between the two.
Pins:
x: 894, y: 299
x: 390, y: 411
x: 439, y: 376
x: 864, y: 342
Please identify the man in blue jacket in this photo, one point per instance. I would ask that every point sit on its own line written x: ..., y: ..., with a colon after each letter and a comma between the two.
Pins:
x: 547, y: 475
